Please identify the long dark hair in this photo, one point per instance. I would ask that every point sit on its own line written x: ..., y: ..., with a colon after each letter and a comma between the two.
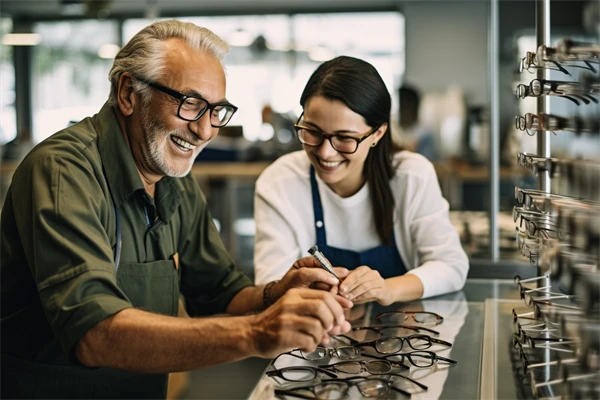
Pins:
x: 359, y: 86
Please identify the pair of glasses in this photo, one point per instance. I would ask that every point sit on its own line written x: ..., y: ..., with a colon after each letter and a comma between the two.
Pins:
x: 572, y: 91
x: 342, y: 143
x: 421, y: 317
x: 396, y: 330
x: 299, y: 374
x: 333, y: 389
x: 356, y: 367
x: 535, y: 163
x: 393, y: 344
x: 343, y: 353
x: 192, y: 107
x: 567, y: 53
x: 418, y: 358
x: 537, y: 200
x: 532, y: 123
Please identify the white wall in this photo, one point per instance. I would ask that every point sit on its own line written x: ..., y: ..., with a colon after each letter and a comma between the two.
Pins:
x: 447, y: 42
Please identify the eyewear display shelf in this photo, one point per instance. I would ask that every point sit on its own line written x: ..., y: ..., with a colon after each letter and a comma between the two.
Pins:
x: 555, y: 340
x: 476, y: 329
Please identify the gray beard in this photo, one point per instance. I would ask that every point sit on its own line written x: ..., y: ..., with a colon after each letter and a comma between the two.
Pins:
x: 153, y: 150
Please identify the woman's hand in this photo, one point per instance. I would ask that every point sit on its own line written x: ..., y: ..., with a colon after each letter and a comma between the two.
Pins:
x: 364, y: 284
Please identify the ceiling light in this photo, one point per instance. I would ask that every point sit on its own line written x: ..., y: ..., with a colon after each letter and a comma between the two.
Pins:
x: 240, y: 38
x: 320, y: 53
x: 108, y: 50
x: 21, y: 39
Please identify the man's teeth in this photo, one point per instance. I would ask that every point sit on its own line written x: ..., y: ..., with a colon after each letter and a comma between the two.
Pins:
x: 183, y: 143
x: 330, y: 164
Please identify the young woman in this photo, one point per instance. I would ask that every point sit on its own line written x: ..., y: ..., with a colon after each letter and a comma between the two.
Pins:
x: 369, y: 206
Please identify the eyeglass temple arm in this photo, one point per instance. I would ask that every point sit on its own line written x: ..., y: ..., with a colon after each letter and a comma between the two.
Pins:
x: 289, y: 353
x: 448, y: 360
x: 293, y: 393
x: 438, y: 341
x: 419, y: 384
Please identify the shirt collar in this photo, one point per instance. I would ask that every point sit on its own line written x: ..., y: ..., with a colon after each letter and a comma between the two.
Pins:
x: 120, y: 170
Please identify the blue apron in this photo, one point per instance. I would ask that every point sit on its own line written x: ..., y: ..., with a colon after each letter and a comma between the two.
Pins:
x: 383, y: 258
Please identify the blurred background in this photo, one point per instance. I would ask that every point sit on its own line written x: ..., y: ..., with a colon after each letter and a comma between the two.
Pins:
x: 56, y: 73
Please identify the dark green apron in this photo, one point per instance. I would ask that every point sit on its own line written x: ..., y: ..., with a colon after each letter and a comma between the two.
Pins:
x: 150, y: 286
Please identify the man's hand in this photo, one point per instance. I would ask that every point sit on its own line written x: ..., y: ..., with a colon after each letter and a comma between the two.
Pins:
x: 301, y: 318
x: 365, y: 284
x: 308, y: 273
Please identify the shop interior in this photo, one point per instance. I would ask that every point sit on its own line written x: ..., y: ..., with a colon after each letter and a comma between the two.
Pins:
x: 464, y: 58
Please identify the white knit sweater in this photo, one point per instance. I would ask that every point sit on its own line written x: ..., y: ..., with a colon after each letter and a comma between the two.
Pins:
x: 426, y: 239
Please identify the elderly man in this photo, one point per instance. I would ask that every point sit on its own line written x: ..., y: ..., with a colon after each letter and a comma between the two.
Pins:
x: 103, y: 228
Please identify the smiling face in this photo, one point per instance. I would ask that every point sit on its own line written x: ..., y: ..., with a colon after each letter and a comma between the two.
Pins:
x: 164, y: 144
x: 343, y: 173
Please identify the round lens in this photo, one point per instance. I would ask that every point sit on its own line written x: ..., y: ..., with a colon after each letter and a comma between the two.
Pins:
x: 347, y: 353
x: 536, y: 87
x: 389, y: 345
x: 378, y: 367
x: 419, y: 342
x: 318, y: 354
x: 421, y: 359
x: 348, y: 368
x: 298, y: 374
x: 373, y: 388
x: 344, y: 144
x: 425, y: 318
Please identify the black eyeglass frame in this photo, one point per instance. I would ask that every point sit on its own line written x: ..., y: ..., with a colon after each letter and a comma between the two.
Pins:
x: 358, y: 140
x: 182, y: 97
x: 348, y: 382
x: 279, y: 373
x: 417, y: 353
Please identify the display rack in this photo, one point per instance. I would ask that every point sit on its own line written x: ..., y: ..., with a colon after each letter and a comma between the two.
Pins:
x: 556, y: 337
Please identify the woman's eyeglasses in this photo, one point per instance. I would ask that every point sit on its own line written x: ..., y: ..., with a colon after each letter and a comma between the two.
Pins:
x: 341, y: 143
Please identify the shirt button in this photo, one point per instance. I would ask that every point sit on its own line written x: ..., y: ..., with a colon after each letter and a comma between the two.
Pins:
x: 319, y: 224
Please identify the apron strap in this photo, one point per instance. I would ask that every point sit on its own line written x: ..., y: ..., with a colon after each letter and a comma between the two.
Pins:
x: 318, y: 210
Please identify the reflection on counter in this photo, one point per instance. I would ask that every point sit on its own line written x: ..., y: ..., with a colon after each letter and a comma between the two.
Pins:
x: 461, y: 326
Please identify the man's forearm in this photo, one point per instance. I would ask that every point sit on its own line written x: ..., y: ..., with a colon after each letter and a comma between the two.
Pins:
x: 139, y: 341
x: 249, y: 299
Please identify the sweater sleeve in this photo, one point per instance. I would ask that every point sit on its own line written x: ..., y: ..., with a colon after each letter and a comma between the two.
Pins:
x: 443, y: 264
x: 276, y: 245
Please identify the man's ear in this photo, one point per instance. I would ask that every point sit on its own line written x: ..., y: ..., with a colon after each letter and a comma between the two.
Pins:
x: 126, y: 96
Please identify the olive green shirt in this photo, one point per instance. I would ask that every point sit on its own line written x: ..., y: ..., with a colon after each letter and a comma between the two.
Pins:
x: 59, y: 238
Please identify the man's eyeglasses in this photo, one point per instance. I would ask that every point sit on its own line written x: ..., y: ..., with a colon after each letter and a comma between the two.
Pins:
x: 192, y: 108
x: 420, y: 317
x: 341, y: 143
